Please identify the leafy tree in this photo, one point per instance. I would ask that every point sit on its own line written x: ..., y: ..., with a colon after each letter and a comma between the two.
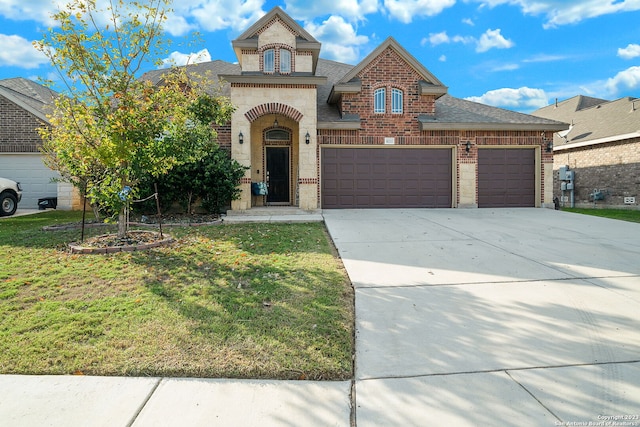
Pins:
x: 113, y: 127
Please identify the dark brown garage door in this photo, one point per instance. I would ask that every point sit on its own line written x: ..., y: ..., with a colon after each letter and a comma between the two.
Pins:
x: 386, y: 178
x: 506, y: 178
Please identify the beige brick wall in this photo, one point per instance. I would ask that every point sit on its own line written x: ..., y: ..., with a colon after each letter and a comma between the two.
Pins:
x: 611, y: 167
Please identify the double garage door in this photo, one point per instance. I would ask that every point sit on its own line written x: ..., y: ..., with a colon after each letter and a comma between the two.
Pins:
x: 386, y: 178
x: 422, y: 177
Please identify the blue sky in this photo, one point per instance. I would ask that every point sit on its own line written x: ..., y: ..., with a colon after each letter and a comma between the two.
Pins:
x: 515, y: 54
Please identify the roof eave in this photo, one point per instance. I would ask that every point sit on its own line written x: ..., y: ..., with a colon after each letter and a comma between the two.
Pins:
x: 339, y: 125
x: 427, y: 88
x: 540, y: 127
x: 338, y: 89
x: 604, y: 140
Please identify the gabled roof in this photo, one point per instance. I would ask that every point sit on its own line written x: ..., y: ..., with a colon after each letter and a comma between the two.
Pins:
x: 594, y: 120
x: 349, y: 82
x: 29, y: 95
x: 249, y: 39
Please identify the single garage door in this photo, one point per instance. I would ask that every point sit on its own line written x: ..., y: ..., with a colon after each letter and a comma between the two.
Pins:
x: 33, y: 175
x: 506, y: 177
x: 386, y: 178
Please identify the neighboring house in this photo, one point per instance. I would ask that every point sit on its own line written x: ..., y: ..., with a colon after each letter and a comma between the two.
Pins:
x: 24, y: 105
x: 602, y: 148
x: 383, y: 133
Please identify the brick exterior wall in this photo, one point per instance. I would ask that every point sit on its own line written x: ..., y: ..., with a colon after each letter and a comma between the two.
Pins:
x: 613, y: 168
x: 224, y: 136
x: 18, y: 129
x: 377, y: 75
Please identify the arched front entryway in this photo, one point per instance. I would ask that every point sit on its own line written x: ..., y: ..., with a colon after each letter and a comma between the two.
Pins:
x: 275, y: 155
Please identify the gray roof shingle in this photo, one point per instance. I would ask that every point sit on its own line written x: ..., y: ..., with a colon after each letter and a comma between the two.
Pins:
x: 31, y: 96
x: 594, y: 119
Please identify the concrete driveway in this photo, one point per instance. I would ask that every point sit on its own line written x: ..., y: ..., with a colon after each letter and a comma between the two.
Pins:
x: 492, y: 317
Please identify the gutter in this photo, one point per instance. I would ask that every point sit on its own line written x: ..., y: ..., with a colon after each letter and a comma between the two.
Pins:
x: 605, y: 140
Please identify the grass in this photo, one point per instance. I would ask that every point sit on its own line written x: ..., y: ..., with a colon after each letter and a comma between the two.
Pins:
x: 621, y: 214
x: 225, y: 301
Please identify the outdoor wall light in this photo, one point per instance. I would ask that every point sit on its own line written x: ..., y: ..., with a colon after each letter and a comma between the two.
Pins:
x: 467, y: 146
x: 307, y: 138
x: 241, y: 138
x: 549, y: 142
x: 275, y: 123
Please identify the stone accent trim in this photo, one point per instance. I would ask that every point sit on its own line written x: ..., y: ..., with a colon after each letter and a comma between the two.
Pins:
x: 308, y: 181
x: 273, y: 108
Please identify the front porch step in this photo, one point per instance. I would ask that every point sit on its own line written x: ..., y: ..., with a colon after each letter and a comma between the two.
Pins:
x: 272, y: 210
x: 273, y: 214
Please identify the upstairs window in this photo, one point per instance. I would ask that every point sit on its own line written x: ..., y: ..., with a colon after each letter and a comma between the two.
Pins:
x: 396, y: 101
x: 379, y: 100
x: 285, y: 61
x: 269, y: 61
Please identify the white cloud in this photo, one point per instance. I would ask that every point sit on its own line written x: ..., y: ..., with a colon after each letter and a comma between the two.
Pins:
x: 438, y: 38
x: 628, y: 79
x: 212, y: 15
x: 567, y: 11
x: 406, y: 10
x: 339, y: 39
x: 523, y: 98
x: 352, y: 10
x: 179, y: 58
x: 493, y: 39
x: 19, y: 52
x: 36, y: 10
x: 629, y: 52
x: 178, y: 25
x: 545, y: 58
x: 443, y: 58
x: 468, y: 21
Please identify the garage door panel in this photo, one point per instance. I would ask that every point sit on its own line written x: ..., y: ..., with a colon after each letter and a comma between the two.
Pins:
x: 415, y: 177
x: 34, y: 177
x: 506, y: 177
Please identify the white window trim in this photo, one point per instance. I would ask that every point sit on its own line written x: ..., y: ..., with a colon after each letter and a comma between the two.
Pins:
x: 272, y: 59
x: 397, y: 101
x: 380, y: 101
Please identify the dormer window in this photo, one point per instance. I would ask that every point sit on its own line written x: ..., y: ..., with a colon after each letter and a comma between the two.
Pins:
x: 269, y: 61
x: 379, y: 96
x: 285, y: 61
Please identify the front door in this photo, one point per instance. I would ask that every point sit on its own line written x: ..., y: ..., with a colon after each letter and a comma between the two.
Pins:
x: 278, y: 180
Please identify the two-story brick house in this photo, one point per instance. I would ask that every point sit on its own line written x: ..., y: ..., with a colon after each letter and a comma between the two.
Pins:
x: 382, y: 133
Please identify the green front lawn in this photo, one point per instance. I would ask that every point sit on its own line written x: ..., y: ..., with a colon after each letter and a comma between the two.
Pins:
x: 622, y: 214
x: 241, y: 301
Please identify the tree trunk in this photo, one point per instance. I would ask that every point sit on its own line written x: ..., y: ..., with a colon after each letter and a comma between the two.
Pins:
x: 122, y: 224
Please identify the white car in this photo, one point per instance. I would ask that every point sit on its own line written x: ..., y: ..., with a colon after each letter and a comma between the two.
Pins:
x: 10, y: 195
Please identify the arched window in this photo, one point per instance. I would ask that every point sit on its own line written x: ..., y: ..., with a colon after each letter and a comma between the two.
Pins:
x: 396, y: 101
x: 379, y: 96
x: 285, y: 61
x: 269, y: 61
x: 277, y: 135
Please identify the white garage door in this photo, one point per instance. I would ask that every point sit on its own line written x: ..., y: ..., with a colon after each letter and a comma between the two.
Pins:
x: 32, y: 174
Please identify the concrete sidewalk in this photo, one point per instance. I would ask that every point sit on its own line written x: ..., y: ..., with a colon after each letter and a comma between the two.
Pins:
x: 70, y: 401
